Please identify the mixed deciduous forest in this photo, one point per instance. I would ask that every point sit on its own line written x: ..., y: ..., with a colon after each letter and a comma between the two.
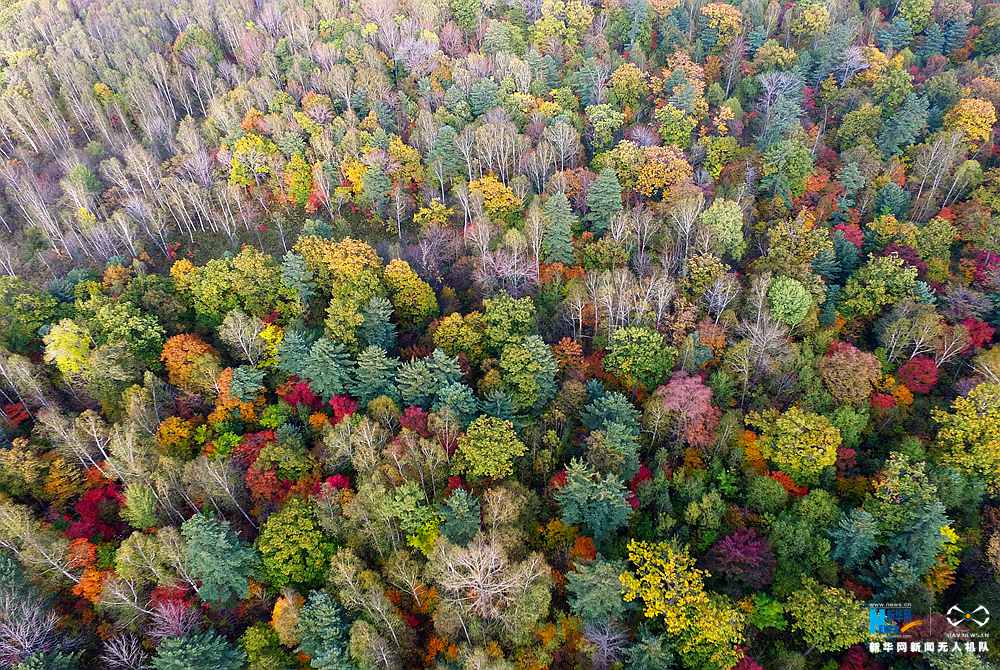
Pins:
x: 498, y: 334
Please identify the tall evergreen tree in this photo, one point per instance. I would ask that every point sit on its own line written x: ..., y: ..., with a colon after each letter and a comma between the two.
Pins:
x: 218, y: 559
x: 557, y: 235
x: 377, y: 329
x: 328, y: 368
x: 904, y: 126
x: 322, y: 630
x: 595, y: 501
x: 604, y: 200
x: 375, y: 375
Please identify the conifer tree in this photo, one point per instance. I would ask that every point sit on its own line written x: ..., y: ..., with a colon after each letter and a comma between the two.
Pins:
x: 557, y: 235
x: 377, y: 329
x: 604, y: 200
x: 375, y: 376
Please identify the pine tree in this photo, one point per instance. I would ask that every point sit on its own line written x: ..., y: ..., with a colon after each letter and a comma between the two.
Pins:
x: 377, y: 329
x: 297, y: 276
x: 375, y: 376
x: 416, y: 383
x: 461, y: 517
x: 459, y: 400
x: 322, y: 630
x: 444, y: 369
x: 328, y: 368
x: 421, y: 379
x: 896, y: 35
x: 854, y: 539
x: 497, y: 403
x: 604, y: 200
x: 557, y: 235
x: 201, y: 651
x: 293, y: 354
x: 933, y: 43
x: 247, y: 383
x: 593, y: 500
x: 892, y: 199
x: 903, y: 128
x: 217, y: 558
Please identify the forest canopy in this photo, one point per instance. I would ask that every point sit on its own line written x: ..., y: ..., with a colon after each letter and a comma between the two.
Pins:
x: 507, y: 335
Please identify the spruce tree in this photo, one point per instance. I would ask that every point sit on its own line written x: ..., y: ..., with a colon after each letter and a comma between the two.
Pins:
x: 377, y: 329
x: 328, y: 368
x: 904, y: 127
x: 322, y: 629
x: 557, y: 236
x: 375, y: 376
x: 604, y: 200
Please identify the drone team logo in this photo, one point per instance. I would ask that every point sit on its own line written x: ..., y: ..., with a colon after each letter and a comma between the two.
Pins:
x: 957, y: 616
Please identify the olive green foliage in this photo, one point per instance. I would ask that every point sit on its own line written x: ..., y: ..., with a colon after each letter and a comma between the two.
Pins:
x: 488, y: 449
x: 294, y: 549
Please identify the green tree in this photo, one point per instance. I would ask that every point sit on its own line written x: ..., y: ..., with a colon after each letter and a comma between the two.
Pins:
x: 293, y: 547
x: 903, y: 127
x: 724, y: 221
x: 675, y: 126
x: 200, y: 651
x: 322, y: 630
x: 297, y: 276
x: 23, y: 311
x: 557, y: 235
x: 375, y: 376
x: 247, y: 383
x: 787, y: 164
x: 487, y: 449
x: 883, y: 280
x: 327, y: 368
x: 595, y: 501
x: 639, y: 356
x: 462, y: 515
x: 604, y: 200
x: 854, y: 539
x: 507, y: 320
x: 800, y: 443
x: 529, y: 373
x: 377, y: 328
x: 421, y: 379
x: 829, y: 619
x: 594, y: 591
x: 789, y: 300
x: 605, y: 121
x: 218, y: 559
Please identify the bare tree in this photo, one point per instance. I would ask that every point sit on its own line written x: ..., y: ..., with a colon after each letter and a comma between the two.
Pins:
x: 124, y: 652
x: 721, y: 294
x: 684, y: 221
x: 27, y: 627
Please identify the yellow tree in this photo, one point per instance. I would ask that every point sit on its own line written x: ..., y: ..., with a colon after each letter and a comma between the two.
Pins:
x: 969, y: 436
x: 974, y: 118
x: 707, y: 629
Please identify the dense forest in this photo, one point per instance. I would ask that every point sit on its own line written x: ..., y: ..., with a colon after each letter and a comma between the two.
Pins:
x: 499, y: 334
